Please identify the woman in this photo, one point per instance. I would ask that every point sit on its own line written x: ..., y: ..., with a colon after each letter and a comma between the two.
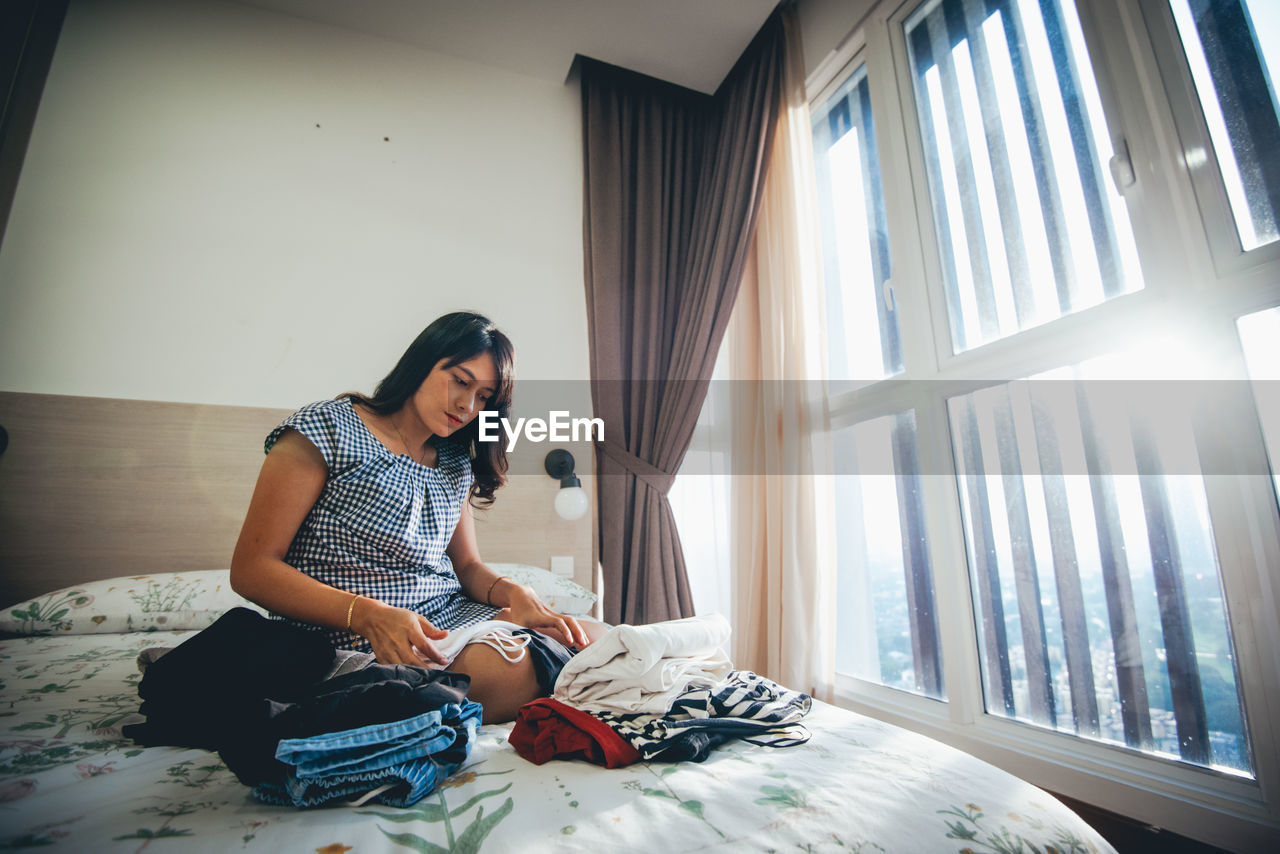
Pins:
x: 360, y: 525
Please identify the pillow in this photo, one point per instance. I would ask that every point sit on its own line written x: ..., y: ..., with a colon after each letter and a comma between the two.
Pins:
x: 560, y: 593
x: 193, y: 600
x: 139, y: 603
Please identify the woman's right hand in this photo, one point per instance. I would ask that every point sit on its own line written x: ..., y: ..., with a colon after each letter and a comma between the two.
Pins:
x: 397, y: 635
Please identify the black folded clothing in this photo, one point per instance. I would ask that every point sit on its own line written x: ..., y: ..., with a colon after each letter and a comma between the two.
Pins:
x: 549, y: 658
x: 246, y: 682
x: 199, y: 694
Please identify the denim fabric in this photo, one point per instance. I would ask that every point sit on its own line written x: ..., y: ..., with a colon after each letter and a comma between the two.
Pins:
x: 549, y: 658
x: 411, y: 782
x: 376, y: 695
x: 372, y: 748
x: 376, y: 758
x: 410, y: 755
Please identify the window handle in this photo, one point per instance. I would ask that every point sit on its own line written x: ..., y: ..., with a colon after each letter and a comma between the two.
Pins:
x: 1122, y: 168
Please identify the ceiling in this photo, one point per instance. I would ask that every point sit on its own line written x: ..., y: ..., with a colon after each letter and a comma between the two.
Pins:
x: 693, y: 43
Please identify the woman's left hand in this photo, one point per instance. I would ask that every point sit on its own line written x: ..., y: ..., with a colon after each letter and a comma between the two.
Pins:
x: 526, y: 609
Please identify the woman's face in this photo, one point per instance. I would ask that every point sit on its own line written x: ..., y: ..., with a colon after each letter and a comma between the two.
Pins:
x: 451, y: 397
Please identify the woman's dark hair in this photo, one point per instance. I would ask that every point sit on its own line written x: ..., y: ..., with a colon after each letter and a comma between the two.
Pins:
x: 456, y: 338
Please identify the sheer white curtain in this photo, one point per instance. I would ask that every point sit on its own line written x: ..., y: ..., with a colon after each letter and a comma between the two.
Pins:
x: 783, y: 543
x: 700, y: 499
x: 754, y: 498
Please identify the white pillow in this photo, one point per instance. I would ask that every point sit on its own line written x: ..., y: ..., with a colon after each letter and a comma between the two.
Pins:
x: 139, y: 603
x: 559, y: 593
x: 171, y: 601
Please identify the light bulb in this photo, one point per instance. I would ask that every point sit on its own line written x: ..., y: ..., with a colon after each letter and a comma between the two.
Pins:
x: 571, y: 502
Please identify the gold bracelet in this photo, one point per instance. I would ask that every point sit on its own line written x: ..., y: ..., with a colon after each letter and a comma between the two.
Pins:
x: 488, y: 597
x: 350, y: 609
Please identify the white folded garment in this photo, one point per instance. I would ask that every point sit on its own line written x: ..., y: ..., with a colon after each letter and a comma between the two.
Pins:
x: 496, y: 633
x: 644, y: 668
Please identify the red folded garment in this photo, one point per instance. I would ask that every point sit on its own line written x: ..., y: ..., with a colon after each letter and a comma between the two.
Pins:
x: 548, y: 729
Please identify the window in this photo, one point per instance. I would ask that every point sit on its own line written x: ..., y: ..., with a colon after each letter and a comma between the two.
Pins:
x: 888, y: 632
x: 1230, y: 48
x: 1051, y: 534
x: 1099, y: 601
x: 1218, y: 58
x: 855, y: 236
x: 700, y: 497
x: 1028, y: 226
x: 1260, y: 338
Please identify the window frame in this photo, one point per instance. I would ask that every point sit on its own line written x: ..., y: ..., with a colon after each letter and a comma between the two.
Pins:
x: 1213, y: 209
x: 1185, y: 282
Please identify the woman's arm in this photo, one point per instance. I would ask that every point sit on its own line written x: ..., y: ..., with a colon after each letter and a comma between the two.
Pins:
x: 519, y: 603
x: 290, y: 483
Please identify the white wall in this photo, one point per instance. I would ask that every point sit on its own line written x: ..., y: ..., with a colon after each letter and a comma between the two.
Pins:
x: 183, y: 230
x: 824, y: 24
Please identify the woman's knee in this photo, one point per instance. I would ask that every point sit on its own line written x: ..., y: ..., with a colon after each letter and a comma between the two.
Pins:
x: 499, y: 685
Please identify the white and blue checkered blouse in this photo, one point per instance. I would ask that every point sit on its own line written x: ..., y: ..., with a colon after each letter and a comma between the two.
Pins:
x: 381, y: 525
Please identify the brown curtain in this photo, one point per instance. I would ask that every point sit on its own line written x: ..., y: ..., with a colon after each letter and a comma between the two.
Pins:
x: 673, y: 183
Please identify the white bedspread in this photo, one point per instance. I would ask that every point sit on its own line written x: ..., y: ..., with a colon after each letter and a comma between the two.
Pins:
x: 69, y: 781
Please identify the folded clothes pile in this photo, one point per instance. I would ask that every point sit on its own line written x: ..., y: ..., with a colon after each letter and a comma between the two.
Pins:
x: 254, y: 690
x: 200, y: 693
x: 396, y: 763
x: 745, y: 705
x: 645, y: 668
x: 662, y: 692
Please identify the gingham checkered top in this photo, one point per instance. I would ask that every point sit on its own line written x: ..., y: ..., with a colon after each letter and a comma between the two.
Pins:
x: 382, y: 522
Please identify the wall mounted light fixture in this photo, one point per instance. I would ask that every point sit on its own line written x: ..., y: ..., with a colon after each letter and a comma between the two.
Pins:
x: 571, y: 499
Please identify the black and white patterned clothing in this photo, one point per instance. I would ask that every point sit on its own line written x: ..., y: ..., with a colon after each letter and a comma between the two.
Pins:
x: 382, y: 522
x: 745, y: 705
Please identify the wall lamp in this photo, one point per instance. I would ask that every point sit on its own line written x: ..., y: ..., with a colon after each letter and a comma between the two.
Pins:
x: 571, y: 499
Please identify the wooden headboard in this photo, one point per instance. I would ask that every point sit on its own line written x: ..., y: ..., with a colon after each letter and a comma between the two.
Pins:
x: 95, y: 488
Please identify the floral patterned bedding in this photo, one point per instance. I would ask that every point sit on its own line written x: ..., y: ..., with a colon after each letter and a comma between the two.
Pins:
x: 69, y: 780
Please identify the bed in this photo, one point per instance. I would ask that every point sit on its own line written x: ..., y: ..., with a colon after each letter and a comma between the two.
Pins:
x: 70, y: 780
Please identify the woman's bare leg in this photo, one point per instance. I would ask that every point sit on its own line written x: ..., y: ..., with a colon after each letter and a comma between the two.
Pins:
x: 594, y: 630
x: 501, y: 686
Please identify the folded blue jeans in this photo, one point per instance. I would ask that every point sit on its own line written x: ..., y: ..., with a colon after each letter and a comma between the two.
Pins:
x: 408, y: 783
x: 409, y: 756
x: 374, y: 747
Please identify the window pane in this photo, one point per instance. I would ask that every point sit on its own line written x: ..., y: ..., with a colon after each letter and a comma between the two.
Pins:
x: 1260, y: 336
x: 700, y: 505
x: 1029, y: 225
x: 1095, y: 578
x: 701, y: 494
x: 887, y: 632
x: 862, y: 317
x: 1231, y: 47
